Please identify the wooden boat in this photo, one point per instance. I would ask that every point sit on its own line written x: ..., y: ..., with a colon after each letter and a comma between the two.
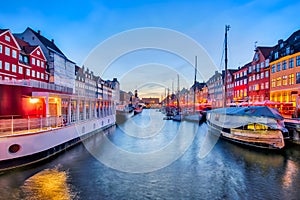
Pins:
x: 258, y: 126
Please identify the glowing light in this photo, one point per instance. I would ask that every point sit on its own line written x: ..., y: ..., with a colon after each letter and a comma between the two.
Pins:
x: 33, y: 100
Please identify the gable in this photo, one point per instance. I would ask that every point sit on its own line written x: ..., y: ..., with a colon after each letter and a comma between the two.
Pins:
x: 7, y: 38
x: 37, y: 52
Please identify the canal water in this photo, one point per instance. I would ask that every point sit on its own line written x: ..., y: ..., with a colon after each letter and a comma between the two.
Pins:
x: 151, y: 158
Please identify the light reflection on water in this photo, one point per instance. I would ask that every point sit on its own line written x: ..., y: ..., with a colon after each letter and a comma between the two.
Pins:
x: 228, y: 171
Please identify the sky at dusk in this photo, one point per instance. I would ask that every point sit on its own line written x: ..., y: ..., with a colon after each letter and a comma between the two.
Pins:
x: 78, y: 27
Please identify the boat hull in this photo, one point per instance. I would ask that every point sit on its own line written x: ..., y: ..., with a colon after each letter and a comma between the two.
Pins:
x: 272, y: 139
x: 38, y: 146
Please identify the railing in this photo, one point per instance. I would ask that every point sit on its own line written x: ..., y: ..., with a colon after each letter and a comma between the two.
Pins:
x: 37, y: 84
x: 28, y: 125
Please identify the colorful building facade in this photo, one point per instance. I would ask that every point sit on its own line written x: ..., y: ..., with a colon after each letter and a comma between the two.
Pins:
x: 285, y: 73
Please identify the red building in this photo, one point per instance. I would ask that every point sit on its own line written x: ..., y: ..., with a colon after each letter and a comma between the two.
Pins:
x: 19, y: 60
x: 259, y: 75
x: 230, y: 85
x: 241, y: 83
x: 9, y: 55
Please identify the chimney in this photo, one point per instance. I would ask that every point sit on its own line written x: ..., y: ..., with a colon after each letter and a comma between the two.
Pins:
x: 280, y: 41
x: 52, y: 40
x: 39, y: 32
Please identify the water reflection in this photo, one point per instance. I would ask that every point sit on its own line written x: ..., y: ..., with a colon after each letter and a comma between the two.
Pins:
x: 48, y: 184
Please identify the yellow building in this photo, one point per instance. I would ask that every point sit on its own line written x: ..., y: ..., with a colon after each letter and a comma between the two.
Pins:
x: 285, y: 73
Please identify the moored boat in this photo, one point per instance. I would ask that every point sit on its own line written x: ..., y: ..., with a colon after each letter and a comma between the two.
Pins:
x: 258, y: 126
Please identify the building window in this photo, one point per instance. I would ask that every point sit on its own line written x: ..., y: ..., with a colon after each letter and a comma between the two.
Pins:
x: 7, y: 67
x: 7, y: 38
x: 20, y: 70
x: 262, y: 75
x: 284, y: 65
x: 291, y: 65
x: 42, y: 76
x: 33, y: 73
x: 14, y: 53
x: 38, y: 52
x: 273, y: 83
x: 33, y: 61
x: 0, y: 64
x: 262, y: 65
x: 278, y: 81
x: 28, y: 72
x: 276, y: 55
x: 13, y: 68
x: 267, y: 85
x: 245, y: 81
x: 297, y: 77
x: 7, y: 51
x: 278, y: 67
x: 267, y: 74
x: 298, y: 61
x: 250, y: 70
x: 262, y: 86
x: 42, y: 64
x: 38, y: 74
x: 291, y: 79
x: 273, y: 68
x: 46, y: 76
x: 26, y: 59
x: 284, y: 80
x: 257, y: 76
x: 0, y: 48
x: 38, y: 63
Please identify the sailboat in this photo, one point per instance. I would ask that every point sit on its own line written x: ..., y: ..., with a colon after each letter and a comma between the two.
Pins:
x: 195, y: 116
x: 258, y: 126
x: 178, y: 115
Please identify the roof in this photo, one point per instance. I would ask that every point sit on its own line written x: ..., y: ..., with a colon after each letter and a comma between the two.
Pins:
x: 3, y: 30
x: 25, y: 46
x: 49, y: 44
x: 266, y: 51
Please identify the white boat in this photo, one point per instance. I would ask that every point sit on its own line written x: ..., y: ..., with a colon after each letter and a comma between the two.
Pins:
x: 28, y: 139
x: 258, y: 126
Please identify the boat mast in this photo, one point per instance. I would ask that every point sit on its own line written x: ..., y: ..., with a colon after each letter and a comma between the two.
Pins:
x: 226, y: 60
x: 195, y: 80
x: 178, y: 92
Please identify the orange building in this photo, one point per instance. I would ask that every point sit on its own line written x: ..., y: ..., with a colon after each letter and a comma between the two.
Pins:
x: 285, y: 73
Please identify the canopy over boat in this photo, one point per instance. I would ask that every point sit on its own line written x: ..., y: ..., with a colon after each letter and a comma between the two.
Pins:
x: 253, y: 111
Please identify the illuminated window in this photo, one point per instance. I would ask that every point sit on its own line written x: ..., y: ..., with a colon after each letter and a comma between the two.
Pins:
x: 291, y: 79
x: 267, y: 85
x: 278, y: 81
x: 291, y: 64
x: 273, y: 83
x: 262, y: 86
x: 284, y: 80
